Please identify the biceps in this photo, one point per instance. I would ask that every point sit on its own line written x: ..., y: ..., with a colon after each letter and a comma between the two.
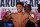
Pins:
x: 8, y: 17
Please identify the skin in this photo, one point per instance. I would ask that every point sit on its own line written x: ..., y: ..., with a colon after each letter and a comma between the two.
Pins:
x: 30, y: 12
x: 19, y: 19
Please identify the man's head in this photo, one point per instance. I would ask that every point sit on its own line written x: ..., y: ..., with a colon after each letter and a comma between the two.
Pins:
x: 20, y: 6
x: 27, y: 8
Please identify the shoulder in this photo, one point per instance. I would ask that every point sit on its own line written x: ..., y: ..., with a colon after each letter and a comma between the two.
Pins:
x: 13, y: 13
x: 26, y: 14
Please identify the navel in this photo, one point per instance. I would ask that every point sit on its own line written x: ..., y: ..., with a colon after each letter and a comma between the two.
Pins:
x: 15, y: 20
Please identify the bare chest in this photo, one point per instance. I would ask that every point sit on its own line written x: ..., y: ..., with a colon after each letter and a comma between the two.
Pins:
x: 19, y: 18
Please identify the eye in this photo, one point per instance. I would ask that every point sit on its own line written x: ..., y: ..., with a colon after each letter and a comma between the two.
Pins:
x: 20, y: 6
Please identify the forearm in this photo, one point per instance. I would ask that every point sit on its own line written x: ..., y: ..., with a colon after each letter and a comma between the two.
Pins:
x: 32, y: 20
x: 35, y: 18
x: 4, y: 18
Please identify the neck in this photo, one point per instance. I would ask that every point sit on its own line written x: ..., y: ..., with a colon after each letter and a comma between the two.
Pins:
x: 20, y: 12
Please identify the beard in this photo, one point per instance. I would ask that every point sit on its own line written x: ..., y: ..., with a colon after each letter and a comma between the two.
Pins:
x: 20, y: 11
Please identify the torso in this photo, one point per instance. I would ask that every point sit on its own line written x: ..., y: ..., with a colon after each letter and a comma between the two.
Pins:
x: 19, y: 20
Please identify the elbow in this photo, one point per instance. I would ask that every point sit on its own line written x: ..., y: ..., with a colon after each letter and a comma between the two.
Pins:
x: 3, y: 20
x: 35, y: 22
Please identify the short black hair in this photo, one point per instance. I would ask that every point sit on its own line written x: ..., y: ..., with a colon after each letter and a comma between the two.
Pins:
x: 21, y: 3
x: 29, y: 5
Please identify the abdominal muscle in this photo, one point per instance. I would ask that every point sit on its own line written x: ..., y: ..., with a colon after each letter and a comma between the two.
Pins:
x: 19, y: 20
x: 19, y: 23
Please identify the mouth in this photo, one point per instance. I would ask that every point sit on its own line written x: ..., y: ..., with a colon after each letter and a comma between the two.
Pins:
x: 18, y: 9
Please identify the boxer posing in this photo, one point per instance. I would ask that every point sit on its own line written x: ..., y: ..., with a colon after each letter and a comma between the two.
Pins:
x: 20, y: 18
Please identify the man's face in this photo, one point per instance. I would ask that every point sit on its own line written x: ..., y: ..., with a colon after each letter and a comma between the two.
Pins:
x: 19, y: 8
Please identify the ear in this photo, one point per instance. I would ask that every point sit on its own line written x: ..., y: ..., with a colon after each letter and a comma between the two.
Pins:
x: 23, y: 7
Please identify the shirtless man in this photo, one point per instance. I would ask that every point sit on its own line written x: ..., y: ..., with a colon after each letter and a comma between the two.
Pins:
x: 20, y: 18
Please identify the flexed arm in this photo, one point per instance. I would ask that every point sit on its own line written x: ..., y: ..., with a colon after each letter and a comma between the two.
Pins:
x: 33, y: 20
x: 5, y: 17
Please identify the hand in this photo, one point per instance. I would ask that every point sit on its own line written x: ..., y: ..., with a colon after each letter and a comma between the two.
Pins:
x: 7, y: 12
